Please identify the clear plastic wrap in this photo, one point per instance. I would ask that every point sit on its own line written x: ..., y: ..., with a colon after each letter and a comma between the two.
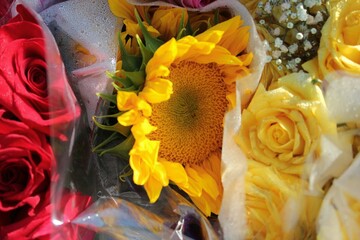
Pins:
x: 339, y: 213
x: 81, y: 180
x: 92, y: 196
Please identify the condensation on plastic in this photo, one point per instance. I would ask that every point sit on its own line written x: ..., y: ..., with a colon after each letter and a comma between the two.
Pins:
x: 342, y: 97
x: 339, y: 216
x: 232, y: 215
x: 90, y: 24
x: 341, y: 92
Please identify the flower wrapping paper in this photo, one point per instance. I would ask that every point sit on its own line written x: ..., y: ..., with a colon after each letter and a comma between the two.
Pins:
x: 289, y: 144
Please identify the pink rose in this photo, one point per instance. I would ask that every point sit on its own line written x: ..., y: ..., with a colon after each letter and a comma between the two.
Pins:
x: 41, y: 103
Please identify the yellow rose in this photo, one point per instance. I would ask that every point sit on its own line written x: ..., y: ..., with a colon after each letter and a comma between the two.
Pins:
x: 340, y: 42
x: 281, y: 126
x: 277, y: 206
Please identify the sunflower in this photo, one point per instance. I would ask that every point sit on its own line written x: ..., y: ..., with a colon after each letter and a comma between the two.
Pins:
x: 176, y: 118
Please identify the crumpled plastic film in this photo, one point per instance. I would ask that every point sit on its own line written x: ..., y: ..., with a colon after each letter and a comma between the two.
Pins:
x: 341, y: 91
x: 63, y: 118
x: 86, y: 34
x: 339, y: 216
x: 232, y: 217
x: 130, y: 216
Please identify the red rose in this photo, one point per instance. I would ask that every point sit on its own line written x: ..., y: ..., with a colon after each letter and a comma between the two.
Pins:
x: 45, y: 104
x: 26, y: 159
x: 40, y: 226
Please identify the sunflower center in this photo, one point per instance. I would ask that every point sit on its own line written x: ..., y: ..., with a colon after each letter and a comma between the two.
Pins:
x: 190, y: 124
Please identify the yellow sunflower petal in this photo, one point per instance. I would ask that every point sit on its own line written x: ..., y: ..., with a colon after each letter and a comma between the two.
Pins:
x: 141, y: 171
x: 202, y: 204
x: 126, y: 100
x: 212, y: 36
x: 157, y: 91
x: 160, y: 174
x: 223, y: 29
x: 142, y: 128
x: 237, y: 41
x: 122, y: 9
x: 164, y: 55
x: 147, y: 150
x: 194, y: 185
x: 176, y: 172
x: 144, y: 106
x: 153, y: 189
x: 157, y: 71
x: 129, y: 118
x: 220, y: 56
x: 195, y: 49
x: 246, y: 58
x: 133, y: 28
x: 208, y: 182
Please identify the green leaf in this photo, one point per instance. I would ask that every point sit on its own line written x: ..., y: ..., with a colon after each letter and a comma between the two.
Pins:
x: 216, y: 17
x: 182, y: 30
x: 125, y: 131
x: 137, y: 78
x: 129, y: 62
x: 152, y: 43
x: 145, y: 53
x: 126, y: 173
x: 121, y: 150
x: 132, y: 88
x: 107, y: 97
x: 123, y: 81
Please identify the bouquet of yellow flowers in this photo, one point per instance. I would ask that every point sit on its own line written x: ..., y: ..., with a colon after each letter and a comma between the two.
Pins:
x: 191, y: 119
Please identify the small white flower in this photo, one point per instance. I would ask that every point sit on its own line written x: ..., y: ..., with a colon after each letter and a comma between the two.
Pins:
x: 268, y: 8
x: 276, y: 31
x: 292, y: 64
x: 283, y: 18
x: 285, y: 6
x: 289, y: 25
x: 278, y: 61
x: 310, y: 20
x: 293, y: 48
x: 284, y: 49
x: 278, y: 42
x: 309, y: 3
x: 319, y: 17
x: 301, y: 12
x: 276, y: 54
x: 307, y: 45
x: 313, y: 30
x: 299, y: 36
